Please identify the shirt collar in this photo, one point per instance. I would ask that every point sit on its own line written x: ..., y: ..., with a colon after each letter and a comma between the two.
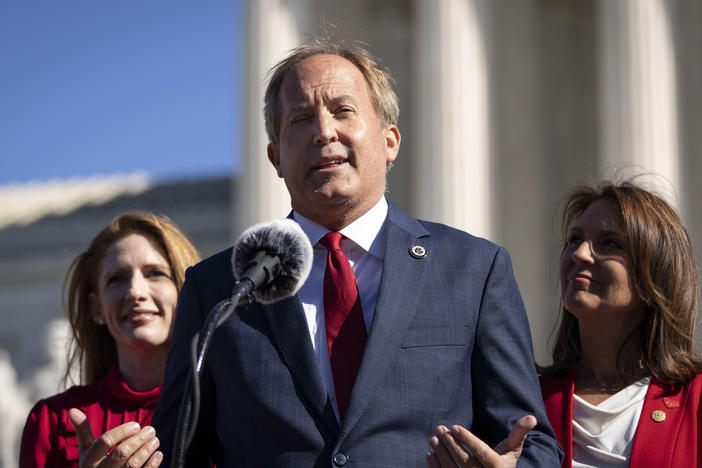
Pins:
x: 366, y: 231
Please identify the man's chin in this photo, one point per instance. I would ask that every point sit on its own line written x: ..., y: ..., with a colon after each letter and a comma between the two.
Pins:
x: 326, y: 197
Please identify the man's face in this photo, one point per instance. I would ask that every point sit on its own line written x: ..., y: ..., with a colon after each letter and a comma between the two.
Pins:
x: 333, y: 151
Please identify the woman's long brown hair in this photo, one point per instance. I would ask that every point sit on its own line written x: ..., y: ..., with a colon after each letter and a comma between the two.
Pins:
x: 664, y: 274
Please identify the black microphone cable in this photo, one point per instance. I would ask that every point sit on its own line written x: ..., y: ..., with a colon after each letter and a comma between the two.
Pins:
x: 270, y: 261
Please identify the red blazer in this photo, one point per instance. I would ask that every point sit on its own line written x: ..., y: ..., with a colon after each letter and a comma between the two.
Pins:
x: 673, y: 442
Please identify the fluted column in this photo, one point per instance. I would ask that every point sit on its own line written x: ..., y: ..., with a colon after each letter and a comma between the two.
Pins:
x: 638, y: 92
x: 452, y: 155
x: 272, y: 30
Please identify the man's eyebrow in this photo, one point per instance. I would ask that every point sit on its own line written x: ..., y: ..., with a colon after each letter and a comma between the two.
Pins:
x: 300, y: 107
x: 336, y: 99
x: 342, y: 98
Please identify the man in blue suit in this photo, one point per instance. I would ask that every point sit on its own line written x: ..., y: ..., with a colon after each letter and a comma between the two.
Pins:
x: 445, y: 336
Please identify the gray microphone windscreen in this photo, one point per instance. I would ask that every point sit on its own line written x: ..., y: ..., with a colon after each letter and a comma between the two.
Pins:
x: 283, y: 238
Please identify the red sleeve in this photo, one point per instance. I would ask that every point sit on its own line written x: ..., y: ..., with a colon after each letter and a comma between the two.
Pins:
x: 36, y: 437
x: 48, y: 439
x: 699, y: 429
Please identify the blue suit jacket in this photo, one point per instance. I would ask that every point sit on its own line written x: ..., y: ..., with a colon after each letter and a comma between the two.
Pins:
x: 449, y: 344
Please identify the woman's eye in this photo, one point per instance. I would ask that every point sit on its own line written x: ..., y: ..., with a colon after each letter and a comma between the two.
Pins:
x: 158, y: 273
x: 612, y: 244
x: 574, y: 239
x: 114, y: 279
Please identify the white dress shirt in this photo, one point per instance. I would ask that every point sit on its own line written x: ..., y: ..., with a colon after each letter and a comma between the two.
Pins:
x: 603, y: 434
x: 364, y: 246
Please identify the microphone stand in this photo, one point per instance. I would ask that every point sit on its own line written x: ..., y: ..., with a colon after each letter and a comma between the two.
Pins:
x: 190, y: 402
x: 262, y: 269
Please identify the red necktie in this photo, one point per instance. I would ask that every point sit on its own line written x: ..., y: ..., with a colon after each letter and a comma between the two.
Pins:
x: 346, y: 332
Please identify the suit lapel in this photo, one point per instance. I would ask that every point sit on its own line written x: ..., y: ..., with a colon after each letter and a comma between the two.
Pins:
x: 287, y: 321
x: 557, y: 394
x: 396, y: 305
x: 659, y: 425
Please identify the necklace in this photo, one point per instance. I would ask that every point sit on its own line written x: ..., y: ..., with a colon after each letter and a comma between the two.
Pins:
x: 587, y: 383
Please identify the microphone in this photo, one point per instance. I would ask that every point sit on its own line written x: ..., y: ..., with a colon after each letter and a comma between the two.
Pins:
x: 275, y: 256
x: 270, y: 261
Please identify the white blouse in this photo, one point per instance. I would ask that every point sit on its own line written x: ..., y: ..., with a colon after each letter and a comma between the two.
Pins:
x: 603, y: 434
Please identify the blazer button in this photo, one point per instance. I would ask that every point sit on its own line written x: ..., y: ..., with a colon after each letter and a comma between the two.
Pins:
x: 340, y: 459
x: 417, y: 251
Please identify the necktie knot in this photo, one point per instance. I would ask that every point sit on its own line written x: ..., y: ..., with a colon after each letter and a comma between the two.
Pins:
x: 332, y: 240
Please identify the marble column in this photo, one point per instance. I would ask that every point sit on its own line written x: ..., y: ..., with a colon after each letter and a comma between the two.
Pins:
x: 639, y: 120
x: 451, y: 159
x: 273, y: 28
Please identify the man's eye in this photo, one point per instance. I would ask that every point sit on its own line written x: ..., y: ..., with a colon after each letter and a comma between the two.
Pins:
x: 299, y: 118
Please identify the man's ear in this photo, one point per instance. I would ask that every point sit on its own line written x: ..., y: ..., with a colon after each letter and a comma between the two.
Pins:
x: 95, y: 309
x: 274, y: 157
x: 392, y: 142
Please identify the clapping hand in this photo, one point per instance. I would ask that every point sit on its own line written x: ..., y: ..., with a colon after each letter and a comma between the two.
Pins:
x: 125, y: 445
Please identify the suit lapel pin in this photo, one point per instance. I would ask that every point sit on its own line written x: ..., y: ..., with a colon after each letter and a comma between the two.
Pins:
x: 670, y: 403
x: 658, y: 416
x: 417, y: 251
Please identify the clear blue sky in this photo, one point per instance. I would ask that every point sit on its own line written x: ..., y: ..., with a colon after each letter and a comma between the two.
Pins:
x: 97, y: 87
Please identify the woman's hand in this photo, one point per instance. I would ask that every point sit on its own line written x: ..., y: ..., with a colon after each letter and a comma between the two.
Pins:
x: 458, y: 446
x: 131, y: 444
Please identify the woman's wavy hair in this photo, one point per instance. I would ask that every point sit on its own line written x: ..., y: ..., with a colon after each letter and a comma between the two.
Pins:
x: 664, y: 273
x: 92, y: 349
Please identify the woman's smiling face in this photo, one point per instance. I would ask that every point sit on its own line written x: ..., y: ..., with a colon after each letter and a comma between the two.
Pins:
x: 595, y: 272
x: 136, y: 297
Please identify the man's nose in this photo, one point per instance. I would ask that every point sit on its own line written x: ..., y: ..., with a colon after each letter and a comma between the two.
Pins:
x: 325, y: 130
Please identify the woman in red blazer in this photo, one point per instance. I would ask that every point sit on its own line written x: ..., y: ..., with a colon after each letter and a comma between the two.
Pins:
x: 121, y: 296
x: 624, y: 388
